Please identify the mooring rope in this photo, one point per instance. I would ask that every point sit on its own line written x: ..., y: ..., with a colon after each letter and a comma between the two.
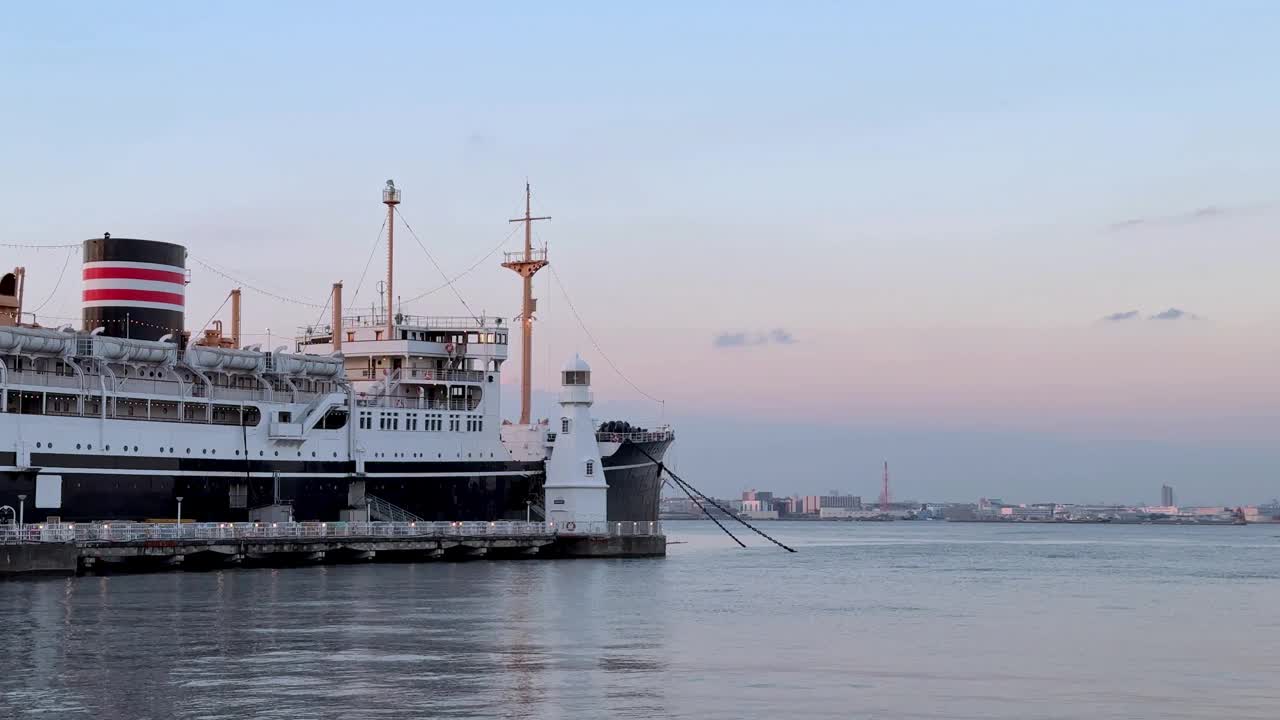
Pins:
x: 677, y: 478
x: 680, y: 484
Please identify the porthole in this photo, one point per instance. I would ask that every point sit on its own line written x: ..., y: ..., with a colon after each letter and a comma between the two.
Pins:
x: 135, y: 448
x: 77, y: 446
x: 107, y: 448
x: 260, y: 453
x: 277, y: 453
x: 37, y: 445
x: 213, y: 451
x: 89, y: 446
x: 313, y: 453
x: 237, y: 452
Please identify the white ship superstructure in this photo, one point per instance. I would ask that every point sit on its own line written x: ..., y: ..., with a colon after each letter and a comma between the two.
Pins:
x: 384, y: 414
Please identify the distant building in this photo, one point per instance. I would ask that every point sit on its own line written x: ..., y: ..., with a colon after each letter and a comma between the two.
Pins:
x: 1166, y: 496
x: 851, y: 502
x: 814, y: 503
x: 785, y: 506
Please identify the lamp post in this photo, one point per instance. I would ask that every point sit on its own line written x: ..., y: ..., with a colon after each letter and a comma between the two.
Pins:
x: 528, y: 510
x: 179, y: 516
x: 22, y: 508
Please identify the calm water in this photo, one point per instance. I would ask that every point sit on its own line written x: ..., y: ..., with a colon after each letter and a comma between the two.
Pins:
x: 893, y: 620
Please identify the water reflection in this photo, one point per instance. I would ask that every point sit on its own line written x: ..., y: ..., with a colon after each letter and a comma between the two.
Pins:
x: 920, y: 620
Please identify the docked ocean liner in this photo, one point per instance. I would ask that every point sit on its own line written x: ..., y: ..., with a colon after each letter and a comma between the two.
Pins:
x: 381, y: 415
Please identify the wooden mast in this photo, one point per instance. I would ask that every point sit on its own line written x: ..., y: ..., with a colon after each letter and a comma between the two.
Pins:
x: 526, y: 265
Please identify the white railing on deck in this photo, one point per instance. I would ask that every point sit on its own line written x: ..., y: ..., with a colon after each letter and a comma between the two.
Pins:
x: 423, y: 322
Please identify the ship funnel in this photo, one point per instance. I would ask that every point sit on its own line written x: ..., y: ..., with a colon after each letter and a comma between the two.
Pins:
x: 134, y: 288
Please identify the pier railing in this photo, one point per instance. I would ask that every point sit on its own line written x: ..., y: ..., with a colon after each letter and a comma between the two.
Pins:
x: 118, y: 532
x: 142, y: 532
x: 612, y: 528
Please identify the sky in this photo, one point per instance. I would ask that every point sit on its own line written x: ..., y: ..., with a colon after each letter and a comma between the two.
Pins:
x: 949, y: 234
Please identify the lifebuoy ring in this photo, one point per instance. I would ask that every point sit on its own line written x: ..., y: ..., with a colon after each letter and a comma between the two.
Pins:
x: 571, y: 525
x: 449, y: 348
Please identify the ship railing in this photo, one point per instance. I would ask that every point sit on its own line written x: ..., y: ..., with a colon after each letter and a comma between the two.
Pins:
x: 400, y: 402
x: 412, y: 374
x: 141, y: 388
x: 636, y: 437
x: 427, y: 322
x: 518, y: 256
x: 611, y: 528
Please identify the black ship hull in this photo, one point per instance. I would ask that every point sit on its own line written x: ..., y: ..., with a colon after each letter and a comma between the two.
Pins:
x: 226, y: 491
x: 635, y: 480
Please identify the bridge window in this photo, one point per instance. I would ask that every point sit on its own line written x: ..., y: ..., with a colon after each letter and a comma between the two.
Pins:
x: 591, y: 468
x: 564, y: 425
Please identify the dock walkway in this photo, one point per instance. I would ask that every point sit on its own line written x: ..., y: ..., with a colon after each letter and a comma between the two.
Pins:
x: 66, y: 548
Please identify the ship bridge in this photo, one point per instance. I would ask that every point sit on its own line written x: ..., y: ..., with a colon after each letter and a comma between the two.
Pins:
x: 418, y: 361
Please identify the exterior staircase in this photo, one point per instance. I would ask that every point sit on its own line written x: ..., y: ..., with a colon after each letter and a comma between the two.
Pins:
x: 382, y: 510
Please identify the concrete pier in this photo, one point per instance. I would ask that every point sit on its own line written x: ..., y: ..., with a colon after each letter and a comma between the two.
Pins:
x: 72, y: 548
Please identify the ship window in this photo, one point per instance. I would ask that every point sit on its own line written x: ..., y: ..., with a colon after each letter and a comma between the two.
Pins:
x: 591, y: 468
x: 564, y: 425
x: 335, y: 419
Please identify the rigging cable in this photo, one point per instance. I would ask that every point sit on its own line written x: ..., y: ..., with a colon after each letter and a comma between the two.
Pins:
x: 29, y: 246
x: 466, y: 272
x: 433, y: 262
x: 58, y: 284
x: 377, y: 242
x: 209, y: 322
x: 254, y: 288
x: 667, y: 470
x: 592, y: 338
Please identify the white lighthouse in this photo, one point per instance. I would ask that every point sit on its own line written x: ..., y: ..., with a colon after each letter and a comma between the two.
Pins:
x: 575, y: 488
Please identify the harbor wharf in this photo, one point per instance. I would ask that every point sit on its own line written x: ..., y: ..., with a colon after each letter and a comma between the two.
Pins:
x: 84, y: 548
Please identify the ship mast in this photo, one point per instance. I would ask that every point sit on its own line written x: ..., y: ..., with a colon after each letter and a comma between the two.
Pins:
x: 526, y: 265
x: 391, y: 198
